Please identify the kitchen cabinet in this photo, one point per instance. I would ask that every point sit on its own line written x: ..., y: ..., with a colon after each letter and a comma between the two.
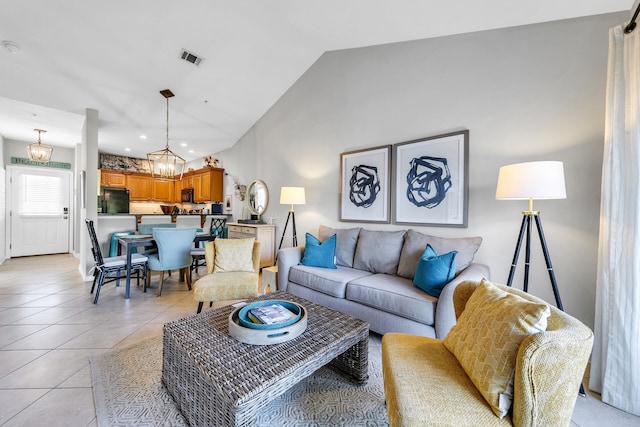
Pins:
x: 264, y: 233
x: 111, y: 178
x: 207, y: 185
x: 163, y: 191
x: 140, y: 187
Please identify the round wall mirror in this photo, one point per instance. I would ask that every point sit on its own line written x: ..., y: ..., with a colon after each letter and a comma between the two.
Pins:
x: 257, y: 197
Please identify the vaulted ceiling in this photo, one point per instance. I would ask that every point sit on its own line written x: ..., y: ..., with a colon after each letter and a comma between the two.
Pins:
x: 115, y: 56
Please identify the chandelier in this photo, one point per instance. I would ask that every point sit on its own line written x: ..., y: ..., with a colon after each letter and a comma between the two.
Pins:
x: 38, y: 151
x: 165, y: 164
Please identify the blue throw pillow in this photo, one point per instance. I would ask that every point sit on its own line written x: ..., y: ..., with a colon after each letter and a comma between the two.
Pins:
x: 319, y: 254
x: 434, y: 271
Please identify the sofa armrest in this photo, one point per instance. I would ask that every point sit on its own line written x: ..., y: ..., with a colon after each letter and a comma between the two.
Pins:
x: 287, y: 258
x: 445, y: 313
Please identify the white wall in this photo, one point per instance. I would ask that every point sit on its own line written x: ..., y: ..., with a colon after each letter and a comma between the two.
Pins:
x: 527, y: 93
x: 3, y: 203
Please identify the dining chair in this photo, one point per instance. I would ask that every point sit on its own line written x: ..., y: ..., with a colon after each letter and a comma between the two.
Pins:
x: 105, y: 268
x: 216, y: 229
x: 174, y: 246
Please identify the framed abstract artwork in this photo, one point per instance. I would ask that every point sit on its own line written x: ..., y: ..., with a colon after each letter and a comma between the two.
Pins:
x: 431, y: 180
x: 365, y: 185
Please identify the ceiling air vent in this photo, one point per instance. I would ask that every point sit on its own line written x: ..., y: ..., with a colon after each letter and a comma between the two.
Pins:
x: 190, y: 57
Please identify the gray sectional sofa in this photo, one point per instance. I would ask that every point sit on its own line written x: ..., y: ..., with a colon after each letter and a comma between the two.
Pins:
x: 374, y: 278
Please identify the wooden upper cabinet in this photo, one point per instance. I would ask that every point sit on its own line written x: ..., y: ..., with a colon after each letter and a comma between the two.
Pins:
x: 163, y: 191
x: 207, y: 185
x: 111, y: 178
x: 140, y: 187
x: 177, y: 191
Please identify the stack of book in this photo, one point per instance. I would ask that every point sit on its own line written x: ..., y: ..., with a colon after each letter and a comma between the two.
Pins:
x: 270, y: 314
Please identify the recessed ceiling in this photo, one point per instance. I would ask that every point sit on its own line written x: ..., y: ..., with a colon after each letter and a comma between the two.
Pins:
x: 115, y: 57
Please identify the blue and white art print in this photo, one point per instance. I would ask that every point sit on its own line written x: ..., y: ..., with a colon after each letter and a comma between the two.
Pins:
x: 431, y: 180
x: 365, y: 185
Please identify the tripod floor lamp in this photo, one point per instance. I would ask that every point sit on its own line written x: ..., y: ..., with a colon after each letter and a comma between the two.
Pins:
x: 529, y: 181
x: 291, y: 196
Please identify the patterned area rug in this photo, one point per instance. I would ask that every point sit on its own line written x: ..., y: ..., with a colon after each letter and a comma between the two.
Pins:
x: 127, y: 391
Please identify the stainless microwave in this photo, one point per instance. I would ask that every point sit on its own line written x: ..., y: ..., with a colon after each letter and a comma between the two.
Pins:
x: 187, y: 195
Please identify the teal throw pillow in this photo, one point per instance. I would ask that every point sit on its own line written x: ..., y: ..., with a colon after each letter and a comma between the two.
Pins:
x: 319, y: 254
x: 434, y: 271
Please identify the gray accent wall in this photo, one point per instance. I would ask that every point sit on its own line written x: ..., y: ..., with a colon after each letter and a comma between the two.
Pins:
x: 526, y: 93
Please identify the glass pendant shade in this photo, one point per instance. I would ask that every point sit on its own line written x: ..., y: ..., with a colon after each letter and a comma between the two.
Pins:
x: 38, y: 151
x: 165, y: 164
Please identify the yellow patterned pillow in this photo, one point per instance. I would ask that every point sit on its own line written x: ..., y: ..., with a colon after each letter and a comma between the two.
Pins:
x: 233, y: 255
x: 487, y: 337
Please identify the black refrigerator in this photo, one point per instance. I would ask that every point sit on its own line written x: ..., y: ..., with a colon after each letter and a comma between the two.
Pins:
x: 115, y: 200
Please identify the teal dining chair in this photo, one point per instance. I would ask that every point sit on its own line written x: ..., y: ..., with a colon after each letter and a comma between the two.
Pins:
x: 174, y: 246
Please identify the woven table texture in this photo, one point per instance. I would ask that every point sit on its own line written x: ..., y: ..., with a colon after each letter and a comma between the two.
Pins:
x: 217, y: 380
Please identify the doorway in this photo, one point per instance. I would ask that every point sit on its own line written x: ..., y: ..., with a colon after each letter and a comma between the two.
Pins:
x: 39, y: 208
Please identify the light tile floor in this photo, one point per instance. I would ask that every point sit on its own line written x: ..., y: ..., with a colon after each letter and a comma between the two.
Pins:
x: 49, y: 328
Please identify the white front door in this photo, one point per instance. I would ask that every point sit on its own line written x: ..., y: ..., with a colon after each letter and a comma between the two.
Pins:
x: 40, y: 211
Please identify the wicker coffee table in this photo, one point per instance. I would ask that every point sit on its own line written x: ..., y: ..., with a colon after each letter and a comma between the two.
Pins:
x: 216, y: 380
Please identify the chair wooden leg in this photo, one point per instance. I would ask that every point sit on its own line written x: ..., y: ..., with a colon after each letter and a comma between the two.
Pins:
x: 187, y: 272
x: 147, y: 282
x: 199, y: 307
x: 160, y: 284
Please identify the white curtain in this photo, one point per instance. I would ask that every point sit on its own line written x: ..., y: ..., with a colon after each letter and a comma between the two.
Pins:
x: 615, y: 364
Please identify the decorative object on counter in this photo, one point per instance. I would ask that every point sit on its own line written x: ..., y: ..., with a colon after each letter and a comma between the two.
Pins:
x: 216, y: 208
x: 211, y: 162
x: 169, y: 209
x: 111, y: 161
x: 227, y: 203
x: 39, y: 152
x: 291, y: 196
x: 165, y: 163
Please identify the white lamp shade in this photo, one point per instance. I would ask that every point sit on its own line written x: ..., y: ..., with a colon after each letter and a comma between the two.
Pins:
x: 292, y: 196
x: 533, y: 180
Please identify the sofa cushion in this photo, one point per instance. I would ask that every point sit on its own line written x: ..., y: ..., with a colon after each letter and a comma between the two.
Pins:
x: 379, y: 251
x: 395, y: 295
x: 318, y: 254
x: 487, y: 337
x: 415, y: 243
x: 346, y: 239
x: 434, y: 271
x: 326, y: 280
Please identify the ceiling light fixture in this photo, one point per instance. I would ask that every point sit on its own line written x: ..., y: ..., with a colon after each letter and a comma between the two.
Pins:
x: 165, y: 164
x: 39, y: 152
x: 11, y: 47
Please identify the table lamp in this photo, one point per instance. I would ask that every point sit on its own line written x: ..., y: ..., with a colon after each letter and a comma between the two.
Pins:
x: 530, y: 181
x: 291, y: 196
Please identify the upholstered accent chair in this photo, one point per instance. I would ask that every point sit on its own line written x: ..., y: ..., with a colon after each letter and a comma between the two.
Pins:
x: 427, y: 383
x: 233, y: 271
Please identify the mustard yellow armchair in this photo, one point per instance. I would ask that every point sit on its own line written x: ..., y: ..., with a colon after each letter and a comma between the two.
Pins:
x: 233, y: 271
x: 426, y: 385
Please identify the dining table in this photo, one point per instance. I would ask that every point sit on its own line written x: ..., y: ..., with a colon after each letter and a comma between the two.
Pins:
x: 131, y: 241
